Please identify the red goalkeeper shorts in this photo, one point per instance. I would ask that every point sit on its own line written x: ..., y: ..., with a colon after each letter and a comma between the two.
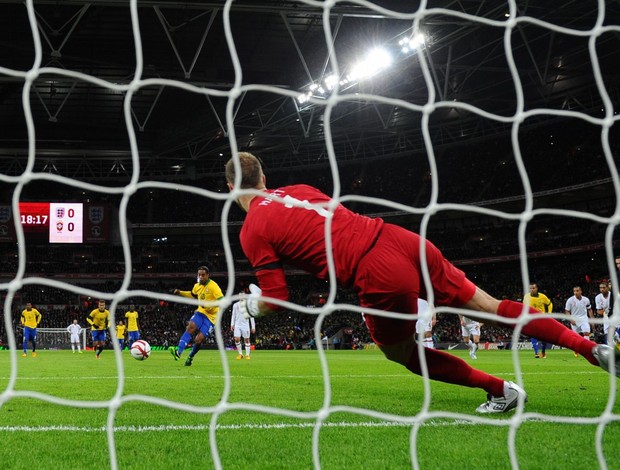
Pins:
x: 389, y: 278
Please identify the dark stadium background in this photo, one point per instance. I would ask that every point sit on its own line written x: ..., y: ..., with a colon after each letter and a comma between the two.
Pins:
x: 182, y: 138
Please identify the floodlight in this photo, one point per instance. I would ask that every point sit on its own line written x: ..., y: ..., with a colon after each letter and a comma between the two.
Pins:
x: 377, y: 60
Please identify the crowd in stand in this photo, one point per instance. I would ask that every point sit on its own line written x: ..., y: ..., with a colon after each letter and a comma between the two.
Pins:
x: 162, y: 322
x: 475, y: 173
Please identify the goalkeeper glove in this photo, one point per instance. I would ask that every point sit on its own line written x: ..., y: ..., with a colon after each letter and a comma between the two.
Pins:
x: 249, y: 305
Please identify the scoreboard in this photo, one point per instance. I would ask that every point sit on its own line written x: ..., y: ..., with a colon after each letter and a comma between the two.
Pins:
x: 63, y: 222
x: 56, y: 222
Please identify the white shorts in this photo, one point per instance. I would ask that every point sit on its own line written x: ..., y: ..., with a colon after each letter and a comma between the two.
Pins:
x: 75, y: 338
x: 581, y: 326
x: 470, y: 329
x: 422, y: 326
x: 241, y: 332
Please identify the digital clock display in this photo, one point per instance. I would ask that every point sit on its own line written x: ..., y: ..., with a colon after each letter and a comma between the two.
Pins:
x: 62, y: 222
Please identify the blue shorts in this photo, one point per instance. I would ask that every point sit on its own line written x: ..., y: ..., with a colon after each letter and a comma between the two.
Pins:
x: 203, y: 323
x: 30, y: 334
x: 98, y: 335
x: 134, y: 336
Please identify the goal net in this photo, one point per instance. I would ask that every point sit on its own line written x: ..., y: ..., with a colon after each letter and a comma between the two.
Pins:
x: 57, y: 338
x: 427, y: 125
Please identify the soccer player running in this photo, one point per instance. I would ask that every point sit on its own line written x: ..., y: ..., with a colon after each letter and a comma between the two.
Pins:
x: 203, y: 320
x: 75, y: 329
x: 99, y: 320
x: 241, y: 327
x: 579, y: 311
x: 383, y: 263
x: 30, y: 319
x: 470, y: 329
x: 541, y: 303
x: 133, y: 329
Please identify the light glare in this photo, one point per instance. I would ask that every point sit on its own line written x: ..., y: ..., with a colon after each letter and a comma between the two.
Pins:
x: 377, y: 60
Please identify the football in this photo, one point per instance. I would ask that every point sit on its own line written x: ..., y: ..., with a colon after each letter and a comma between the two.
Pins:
x: 140, y: 350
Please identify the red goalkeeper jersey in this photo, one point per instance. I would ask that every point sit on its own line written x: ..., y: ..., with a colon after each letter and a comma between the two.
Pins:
x: 275, y: 234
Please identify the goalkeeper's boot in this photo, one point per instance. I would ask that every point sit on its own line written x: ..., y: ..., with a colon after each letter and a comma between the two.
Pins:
x: 188, y: 361
x: 34, y: 354
x: 175, y: 354
x: 602, y: 353
x: 503, y: 404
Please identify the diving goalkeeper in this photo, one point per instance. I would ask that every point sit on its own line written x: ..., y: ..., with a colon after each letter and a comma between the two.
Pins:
x: 382, y: 263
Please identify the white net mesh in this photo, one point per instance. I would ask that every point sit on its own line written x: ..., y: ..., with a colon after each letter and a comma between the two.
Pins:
x: 508, y: 26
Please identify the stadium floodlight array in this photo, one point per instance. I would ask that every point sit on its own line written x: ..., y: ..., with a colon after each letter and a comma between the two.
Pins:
x: 507, y: 24
x: 375, y: 61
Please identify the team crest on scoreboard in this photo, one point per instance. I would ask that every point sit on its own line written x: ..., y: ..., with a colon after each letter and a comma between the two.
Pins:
x: 60, y: 212
x: 5, y: 214
x: 95, y: 214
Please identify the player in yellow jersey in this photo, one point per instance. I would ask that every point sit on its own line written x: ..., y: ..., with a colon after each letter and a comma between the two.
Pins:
x: 120, y: 334
x: 30, y: 319
x: 133, y: 329
x: 204, y: 318
x: 540, y: 302
x: 99, y: 320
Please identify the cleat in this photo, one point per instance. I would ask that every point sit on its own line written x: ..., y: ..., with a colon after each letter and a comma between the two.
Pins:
x: 239, y: 356
x: 544, y: 355
x: 575, y: 354
x: 472, y: 354
x: 175, y: 354
x: 536, y: 356
x: 503, y: 404
x: 97, y: 356
x: 188, y: 361
x: 602, y: 354
x: 24, y: 355
x: 80, y: 352
x: 247, y: 357
x: 34, y: 354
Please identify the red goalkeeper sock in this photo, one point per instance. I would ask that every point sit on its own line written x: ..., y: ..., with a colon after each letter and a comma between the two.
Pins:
x: 549, y: 330
x: 451, y: 369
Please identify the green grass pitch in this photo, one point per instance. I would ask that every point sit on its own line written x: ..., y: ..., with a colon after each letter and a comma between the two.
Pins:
x: 36, y: 433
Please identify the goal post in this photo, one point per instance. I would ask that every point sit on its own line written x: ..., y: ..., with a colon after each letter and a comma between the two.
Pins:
x: 57, y: 338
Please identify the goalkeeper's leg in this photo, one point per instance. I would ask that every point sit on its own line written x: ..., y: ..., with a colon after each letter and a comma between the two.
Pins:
x: 443, y: 367
x: 543, y: 328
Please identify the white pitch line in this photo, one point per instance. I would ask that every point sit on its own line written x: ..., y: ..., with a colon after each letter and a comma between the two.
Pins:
x: 173, y: 427
x: 314, y: 376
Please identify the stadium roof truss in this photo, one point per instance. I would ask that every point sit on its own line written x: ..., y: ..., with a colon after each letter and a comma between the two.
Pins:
x: 81, y: 131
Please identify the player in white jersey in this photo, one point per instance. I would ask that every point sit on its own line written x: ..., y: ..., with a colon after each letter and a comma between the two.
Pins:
x: 240, y: 326
x: 601, y: 303
x: 579, y: 311
x: 470, y: 328
x: 75, y: 329
x: 426, y: 322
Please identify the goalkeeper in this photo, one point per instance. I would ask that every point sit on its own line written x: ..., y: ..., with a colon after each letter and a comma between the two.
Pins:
x: 382, y: 263
x: 202, y: 321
